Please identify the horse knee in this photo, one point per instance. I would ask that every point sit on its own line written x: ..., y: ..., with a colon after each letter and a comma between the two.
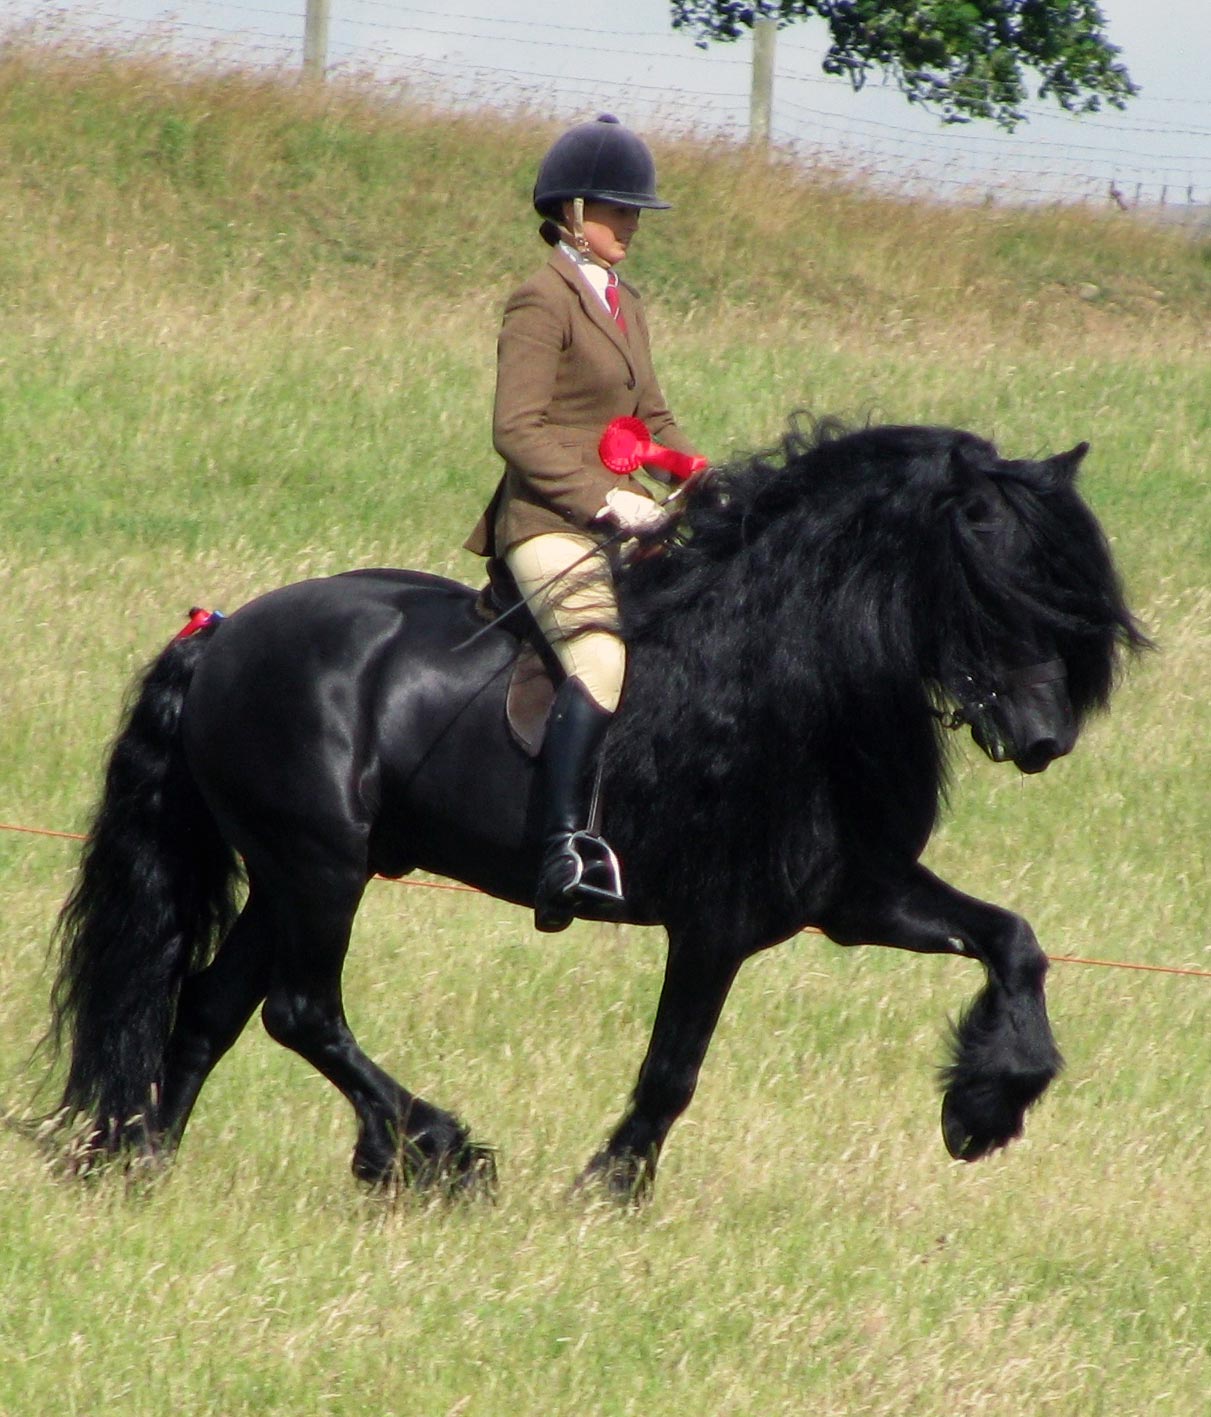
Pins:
x: 293, y: 1019
x: 1015, y: 958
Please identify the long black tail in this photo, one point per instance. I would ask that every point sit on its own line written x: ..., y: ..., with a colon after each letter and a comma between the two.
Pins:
x: 154, y: 893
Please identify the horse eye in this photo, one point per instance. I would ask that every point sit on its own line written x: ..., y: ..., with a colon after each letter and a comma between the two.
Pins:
x: 981, y: 515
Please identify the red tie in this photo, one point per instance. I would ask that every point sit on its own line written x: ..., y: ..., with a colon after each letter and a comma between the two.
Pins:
x: 613, y: 302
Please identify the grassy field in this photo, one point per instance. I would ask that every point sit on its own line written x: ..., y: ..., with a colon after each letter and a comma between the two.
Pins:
x: 246, y: 336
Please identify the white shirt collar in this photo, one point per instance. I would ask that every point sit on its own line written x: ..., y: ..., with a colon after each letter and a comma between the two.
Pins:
x: 597, y: 276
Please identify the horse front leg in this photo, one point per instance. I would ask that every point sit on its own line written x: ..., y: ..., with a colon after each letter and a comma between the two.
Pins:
x: 697, y: 979
x: 1004, y: 1054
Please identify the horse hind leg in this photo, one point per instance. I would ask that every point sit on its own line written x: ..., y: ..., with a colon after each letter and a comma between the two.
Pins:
x: 402, y: 1139
x: 214, y: 1008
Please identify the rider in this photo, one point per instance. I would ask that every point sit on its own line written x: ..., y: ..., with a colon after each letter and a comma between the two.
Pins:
x: 573, y: 355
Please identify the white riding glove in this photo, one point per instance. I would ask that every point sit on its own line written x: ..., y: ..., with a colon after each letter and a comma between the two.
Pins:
x: 630, y: 512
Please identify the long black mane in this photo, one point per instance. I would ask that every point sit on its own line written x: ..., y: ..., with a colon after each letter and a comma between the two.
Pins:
x: 810, y: 611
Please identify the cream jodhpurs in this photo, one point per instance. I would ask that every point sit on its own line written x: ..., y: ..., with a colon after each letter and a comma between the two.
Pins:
x: 578, y: 613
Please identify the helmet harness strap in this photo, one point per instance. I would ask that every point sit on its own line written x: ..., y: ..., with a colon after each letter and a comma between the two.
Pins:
x: 579, y: 239
x: 575, y: 229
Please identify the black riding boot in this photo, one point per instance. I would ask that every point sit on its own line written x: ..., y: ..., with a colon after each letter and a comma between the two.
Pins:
x: 579, y: 873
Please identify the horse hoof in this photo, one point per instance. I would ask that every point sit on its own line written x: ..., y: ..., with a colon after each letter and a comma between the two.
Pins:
x: 474, y: 1176
x: 463, y: 1173
x: 76, y: 1149
x: 965, y: 1139
x: 626, y: 1180
x: 956, y: 1134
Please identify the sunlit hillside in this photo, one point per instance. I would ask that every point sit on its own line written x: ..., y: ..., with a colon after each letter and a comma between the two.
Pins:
x: 130, y: 181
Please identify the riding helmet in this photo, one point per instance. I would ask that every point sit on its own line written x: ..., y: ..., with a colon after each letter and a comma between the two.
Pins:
x: 600, y: 161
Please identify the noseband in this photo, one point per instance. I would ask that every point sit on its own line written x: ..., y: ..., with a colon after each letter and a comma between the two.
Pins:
x: 976, y: 701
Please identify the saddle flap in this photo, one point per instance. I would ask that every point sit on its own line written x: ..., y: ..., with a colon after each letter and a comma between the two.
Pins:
x: 528, y: 701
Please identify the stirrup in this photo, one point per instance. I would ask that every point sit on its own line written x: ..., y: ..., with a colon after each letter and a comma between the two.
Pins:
x: 593, y: 856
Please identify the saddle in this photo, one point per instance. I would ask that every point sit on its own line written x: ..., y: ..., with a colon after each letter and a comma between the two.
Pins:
x: 535, y: 674
x: 533, y: 680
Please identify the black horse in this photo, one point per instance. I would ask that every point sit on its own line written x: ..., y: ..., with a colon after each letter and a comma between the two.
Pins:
x: 799, y: 638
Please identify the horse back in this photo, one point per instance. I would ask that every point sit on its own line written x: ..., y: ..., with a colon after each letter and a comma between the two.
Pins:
x: 350, y: 711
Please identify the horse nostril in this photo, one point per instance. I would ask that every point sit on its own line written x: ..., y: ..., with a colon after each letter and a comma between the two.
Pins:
x: 1040, y: 753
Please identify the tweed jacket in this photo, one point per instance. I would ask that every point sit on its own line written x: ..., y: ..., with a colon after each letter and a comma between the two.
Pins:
x: 565, y: 368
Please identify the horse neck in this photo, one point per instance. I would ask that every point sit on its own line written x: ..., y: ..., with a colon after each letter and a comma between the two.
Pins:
x: 795, y: 654
x: 753, y: 761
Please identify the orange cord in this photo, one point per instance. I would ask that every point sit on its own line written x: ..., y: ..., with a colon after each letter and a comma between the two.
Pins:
x: 807, y: 929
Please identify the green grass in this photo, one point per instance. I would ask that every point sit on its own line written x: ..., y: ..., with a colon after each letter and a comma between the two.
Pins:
x: 246, y: 336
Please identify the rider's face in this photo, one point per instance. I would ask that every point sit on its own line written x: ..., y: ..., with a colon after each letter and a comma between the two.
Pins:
x: 608, y: 228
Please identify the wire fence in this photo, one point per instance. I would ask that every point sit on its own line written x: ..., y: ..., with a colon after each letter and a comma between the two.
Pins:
x: 1156, y: 157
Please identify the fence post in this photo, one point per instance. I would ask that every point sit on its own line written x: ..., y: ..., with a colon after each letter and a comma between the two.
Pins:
x: 315, y: 40
x: 761, y: 97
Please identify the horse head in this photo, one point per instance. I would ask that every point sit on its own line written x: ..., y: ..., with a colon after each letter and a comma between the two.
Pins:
x: 1038, y: 568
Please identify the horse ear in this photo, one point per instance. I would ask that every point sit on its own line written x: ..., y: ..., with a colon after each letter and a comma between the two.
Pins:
x: 1067, y: 464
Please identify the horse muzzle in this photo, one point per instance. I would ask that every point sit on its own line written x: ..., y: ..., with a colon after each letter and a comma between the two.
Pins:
x: 1039, y: 756
x: 1030, y: 753
x: 1030, y: 723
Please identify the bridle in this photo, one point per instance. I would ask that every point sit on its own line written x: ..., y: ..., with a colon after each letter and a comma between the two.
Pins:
x: 976, y: 700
